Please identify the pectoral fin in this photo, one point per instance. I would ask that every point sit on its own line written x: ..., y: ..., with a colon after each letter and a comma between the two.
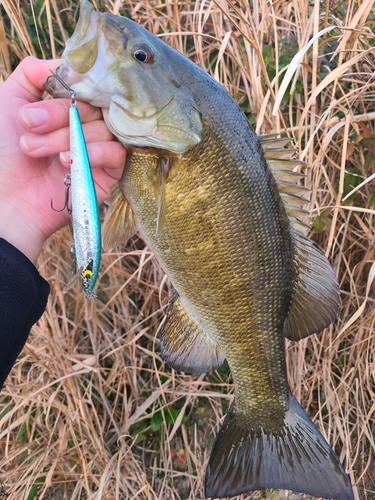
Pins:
x: 316, y: 293
x: 120, y: 222
x: 163, y: 166
x: 184, y: 344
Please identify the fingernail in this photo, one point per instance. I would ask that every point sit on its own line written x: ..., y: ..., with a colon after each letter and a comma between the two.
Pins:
x: 34, y: 117
x: 65, y: 157
x: 31, y: 142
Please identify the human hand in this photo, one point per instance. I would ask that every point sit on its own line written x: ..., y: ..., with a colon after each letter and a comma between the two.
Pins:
x: 33, y: 134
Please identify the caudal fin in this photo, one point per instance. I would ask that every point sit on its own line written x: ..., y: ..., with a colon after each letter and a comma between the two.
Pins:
x: 297, y: 457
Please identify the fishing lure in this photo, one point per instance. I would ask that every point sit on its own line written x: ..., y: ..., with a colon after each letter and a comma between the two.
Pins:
x: 87, y: 246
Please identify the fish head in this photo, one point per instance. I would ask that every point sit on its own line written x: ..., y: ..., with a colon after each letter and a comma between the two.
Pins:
x: 113, y: 63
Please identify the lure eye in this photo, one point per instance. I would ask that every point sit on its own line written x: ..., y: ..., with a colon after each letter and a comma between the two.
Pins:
x: 143, y: 54
x: 87, y: 274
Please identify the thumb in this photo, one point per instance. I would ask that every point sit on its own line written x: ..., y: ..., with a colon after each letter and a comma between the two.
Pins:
x: 28, y: 79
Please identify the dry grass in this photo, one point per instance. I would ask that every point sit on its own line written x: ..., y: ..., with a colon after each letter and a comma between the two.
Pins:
x: 90, y: 410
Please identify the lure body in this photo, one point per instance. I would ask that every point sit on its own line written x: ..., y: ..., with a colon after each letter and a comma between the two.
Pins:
x: 85, y: 210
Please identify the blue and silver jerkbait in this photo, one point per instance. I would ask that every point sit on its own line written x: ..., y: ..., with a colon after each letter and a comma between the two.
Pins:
x: 85, y: 211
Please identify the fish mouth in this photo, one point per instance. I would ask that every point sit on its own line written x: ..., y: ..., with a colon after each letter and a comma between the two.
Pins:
x: 81, y: 88
x: 80, y: 55
x: 142, y: 105
x: 51, y: 82
x: 55, y: 85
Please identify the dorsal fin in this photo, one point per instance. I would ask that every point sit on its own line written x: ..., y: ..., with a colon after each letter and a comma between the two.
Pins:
x: 316, y: 293
x: 283, y: 167
x: 272, y: 141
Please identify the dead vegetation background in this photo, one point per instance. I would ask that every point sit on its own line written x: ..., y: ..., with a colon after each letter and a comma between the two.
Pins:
x: 90, y: 410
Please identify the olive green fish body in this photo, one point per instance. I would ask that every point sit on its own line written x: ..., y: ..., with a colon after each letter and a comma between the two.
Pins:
x: 221, y: 210
x: 217, y: 260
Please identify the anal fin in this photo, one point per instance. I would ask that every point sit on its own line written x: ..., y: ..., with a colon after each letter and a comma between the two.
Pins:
x: 184, y: 344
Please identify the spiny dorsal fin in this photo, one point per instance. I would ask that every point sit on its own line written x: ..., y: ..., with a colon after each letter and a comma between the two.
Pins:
x: 184, y: 345
x: 293, y: 190
x: 119, y: 222
x: 272, y: 141
x: 282, y: 165
x: 284, y: 153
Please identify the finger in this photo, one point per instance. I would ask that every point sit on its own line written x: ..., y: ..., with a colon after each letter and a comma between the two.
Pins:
x: 28, y: 79
x: 46, y: 116
x: 107, y: 155
x: 108, y: 161
x: 53, y: 143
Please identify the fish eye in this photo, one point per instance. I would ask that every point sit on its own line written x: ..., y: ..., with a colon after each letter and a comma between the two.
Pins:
x: 143, y: 54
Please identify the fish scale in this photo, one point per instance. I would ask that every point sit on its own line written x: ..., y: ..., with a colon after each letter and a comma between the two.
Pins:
x: 229, y: 302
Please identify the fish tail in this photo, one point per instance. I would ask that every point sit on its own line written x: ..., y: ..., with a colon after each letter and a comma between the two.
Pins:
x: 295, y: 457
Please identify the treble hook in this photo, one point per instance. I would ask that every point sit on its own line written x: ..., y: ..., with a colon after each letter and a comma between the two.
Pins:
x: 67, y: 183
x: 60, y: 80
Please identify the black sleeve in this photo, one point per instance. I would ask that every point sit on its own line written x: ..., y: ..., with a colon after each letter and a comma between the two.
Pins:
x: 23, y: 298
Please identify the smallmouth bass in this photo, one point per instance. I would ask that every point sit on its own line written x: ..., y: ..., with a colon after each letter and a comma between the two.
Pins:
x: 221, y: 211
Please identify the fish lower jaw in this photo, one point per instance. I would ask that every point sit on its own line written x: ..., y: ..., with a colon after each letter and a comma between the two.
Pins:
x: 151, y: 140
x: 149, y: 131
